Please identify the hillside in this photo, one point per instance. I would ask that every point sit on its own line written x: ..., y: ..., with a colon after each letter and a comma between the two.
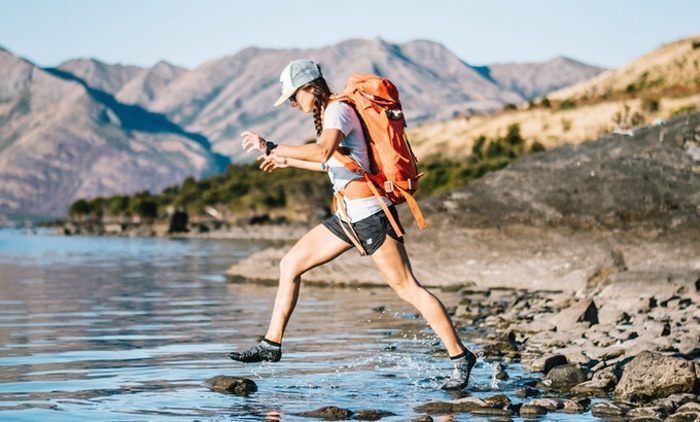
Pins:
x: 650, y: 179
x: 673, y: 69
x: 61, y: 140
x: 576, y: 114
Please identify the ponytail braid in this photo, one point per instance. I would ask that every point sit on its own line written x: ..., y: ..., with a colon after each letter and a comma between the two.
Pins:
x: 321, y: 92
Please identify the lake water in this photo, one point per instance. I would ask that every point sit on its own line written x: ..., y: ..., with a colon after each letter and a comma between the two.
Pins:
x: 110, y: 328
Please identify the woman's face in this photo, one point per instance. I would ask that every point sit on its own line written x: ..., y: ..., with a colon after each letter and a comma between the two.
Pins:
x: 303, y: 100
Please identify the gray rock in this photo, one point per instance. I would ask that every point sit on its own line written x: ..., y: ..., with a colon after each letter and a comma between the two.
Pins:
x: 609, y: 408
x: 577, y: 405
x: 525, y: 392
x: 674, y: 401
x: 547, y: 362
x: 465, y: 404
x: 235, y: 385
x: 499, y: 401
x: 371, y: 415
x: 689, y: 407
x: 491, y: 411
x: 329, y: 413
x: 548, y: 403
x: 530, y: 410
x: 684, y: 417
x: 652, y: 375
x: 564, y: 376
x: 655, y: 412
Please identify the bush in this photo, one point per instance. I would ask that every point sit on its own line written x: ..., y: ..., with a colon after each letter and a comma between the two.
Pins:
x: 143, y: 207
x: 567, y: 104
x: 80, y: 207
x: 650, y: 105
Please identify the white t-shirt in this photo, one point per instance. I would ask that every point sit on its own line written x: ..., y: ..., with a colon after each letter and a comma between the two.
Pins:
x: 341, y: 116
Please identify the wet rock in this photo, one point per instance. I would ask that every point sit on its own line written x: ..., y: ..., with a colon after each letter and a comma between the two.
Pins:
x: 655, y: 412
x: 576, y: 405
x: 465, y: 404
x: 525, y: 392
x: 652, y: 375
x: 564, y: 377
x: 546, y: 362
x: 234, y: 385
x: 329, y: 413
x: 500, y: 401
x: 609, y: 408
x: 491, y: 411
x: 500, y: 371
x: 548, y: 403
x: 530, y: 410
x: 424, y: 418
x: 371, y: 415
x: 499, y: 348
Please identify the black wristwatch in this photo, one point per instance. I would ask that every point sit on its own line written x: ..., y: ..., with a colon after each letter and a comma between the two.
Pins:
x: 269, y: 146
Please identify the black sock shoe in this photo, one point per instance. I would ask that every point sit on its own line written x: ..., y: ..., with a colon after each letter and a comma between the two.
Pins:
x: 266, y: 350
x: 462, y: 367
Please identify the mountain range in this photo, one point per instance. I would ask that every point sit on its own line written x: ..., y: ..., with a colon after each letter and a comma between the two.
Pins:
x: 86, y: 128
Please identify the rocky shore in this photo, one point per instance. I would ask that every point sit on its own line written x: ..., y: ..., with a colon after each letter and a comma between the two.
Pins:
x: 582, y: 264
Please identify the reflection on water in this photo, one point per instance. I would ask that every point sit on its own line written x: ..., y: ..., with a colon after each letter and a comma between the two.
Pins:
x: 129, y: 328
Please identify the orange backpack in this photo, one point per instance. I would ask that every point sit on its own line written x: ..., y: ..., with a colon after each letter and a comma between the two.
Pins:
x: 394, y: 172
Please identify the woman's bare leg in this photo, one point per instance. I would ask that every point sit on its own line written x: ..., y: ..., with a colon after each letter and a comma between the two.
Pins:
x: 393, y: 262
x: 315, y: 248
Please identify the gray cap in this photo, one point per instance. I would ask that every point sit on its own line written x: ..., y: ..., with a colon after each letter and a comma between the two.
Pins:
x: 297, y: 74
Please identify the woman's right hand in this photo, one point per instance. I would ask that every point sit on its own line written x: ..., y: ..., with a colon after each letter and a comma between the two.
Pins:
x: 272, y: 162
x: 252, y: 141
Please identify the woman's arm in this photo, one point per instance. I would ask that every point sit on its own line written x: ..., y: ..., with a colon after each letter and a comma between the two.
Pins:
x: 274, y: 161
x: 315, y: 152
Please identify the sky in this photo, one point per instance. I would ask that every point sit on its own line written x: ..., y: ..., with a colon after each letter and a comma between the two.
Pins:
x: 606, y: 33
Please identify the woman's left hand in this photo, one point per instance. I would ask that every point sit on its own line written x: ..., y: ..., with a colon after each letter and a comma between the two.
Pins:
x: 272, y: 162
x: 252, y: 141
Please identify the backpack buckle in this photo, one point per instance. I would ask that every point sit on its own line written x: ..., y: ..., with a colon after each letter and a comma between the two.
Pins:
x: 388, y: 186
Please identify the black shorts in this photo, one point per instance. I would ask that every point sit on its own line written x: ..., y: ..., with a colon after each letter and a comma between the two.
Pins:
x: 372, y: 230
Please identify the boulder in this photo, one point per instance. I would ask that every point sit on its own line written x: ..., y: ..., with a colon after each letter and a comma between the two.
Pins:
x: 234, y: 385
x: 651, y: 375
x: 564, y: 376
x: 329, y: 413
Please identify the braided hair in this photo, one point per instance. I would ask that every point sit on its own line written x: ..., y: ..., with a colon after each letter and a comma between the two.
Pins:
x: 321, y: 92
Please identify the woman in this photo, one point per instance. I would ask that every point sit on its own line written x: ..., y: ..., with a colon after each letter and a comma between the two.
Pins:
x: 337, y: 125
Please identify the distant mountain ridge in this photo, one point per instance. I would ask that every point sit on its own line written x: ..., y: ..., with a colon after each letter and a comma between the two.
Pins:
x: 87, y: 128
x: 224, y: 96
x: 61, y: 140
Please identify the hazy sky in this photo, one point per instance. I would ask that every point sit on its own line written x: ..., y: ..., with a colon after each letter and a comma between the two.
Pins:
x: 187, y: 32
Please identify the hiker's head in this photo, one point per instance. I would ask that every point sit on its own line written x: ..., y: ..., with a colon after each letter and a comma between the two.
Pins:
x: 305, y: 88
